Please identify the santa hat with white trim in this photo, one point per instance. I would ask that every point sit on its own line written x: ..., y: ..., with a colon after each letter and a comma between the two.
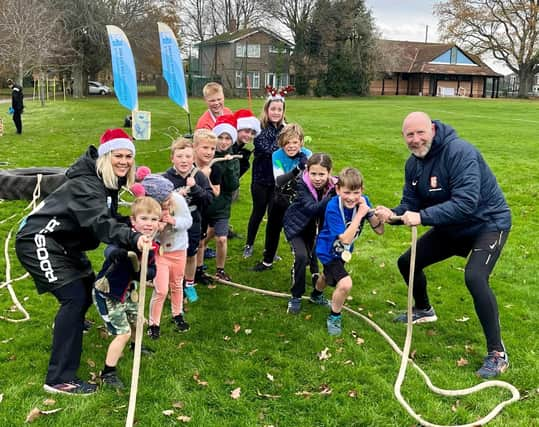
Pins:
x: 247, y: 120
x: 115, y: 139
x: 226, y: 123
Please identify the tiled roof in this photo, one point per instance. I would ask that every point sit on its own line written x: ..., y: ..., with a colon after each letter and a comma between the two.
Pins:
x: 240, y: 34
x: 416, y: 57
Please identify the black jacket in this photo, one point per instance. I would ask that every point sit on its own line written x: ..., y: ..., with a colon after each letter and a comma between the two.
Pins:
x: 75, y: 218
x: 17, y: 98
x: 453, y: 188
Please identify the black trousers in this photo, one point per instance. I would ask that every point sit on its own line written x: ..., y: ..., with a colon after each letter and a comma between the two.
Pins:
x: 75, y: 298
x: 18, y: 121
x: 304, y: 255
x: 262, y: 196
x: 273, y: 230
x: 483, y: 252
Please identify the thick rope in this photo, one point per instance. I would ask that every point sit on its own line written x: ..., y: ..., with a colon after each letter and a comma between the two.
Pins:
x: 138, y: 338
x: 7, y: 284
x: 405, y: 355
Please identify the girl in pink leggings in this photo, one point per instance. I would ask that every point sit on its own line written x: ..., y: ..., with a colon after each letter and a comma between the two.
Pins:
x: 170, y: 260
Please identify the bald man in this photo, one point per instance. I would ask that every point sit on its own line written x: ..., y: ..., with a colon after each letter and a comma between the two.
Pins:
x: 449, y: 186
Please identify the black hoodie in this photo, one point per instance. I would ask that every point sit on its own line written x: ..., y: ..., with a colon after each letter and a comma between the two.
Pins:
x: 77, y: 216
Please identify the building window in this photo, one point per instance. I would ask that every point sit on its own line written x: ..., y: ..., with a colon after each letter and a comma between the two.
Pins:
x: 277, y: 80
x: 277, y: 49
x: 239, y: 79
x: 251, y: 79
x: 253, y: 50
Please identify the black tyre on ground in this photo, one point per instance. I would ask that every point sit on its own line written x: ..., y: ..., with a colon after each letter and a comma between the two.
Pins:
x: 19, y: 184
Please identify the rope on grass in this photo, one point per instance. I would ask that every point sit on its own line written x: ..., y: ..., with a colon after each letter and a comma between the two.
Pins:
x: 7, y: 283
x: 405, y: 360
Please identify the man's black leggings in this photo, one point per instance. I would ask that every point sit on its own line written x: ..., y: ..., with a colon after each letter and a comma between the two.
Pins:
x: 262, y: 196
x: 484, y: 250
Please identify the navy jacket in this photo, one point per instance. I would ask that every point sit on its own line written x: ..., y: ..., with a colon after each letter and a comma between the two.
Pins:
x: 308, y: 206
x: 453, y: 188
x: 265, y: 144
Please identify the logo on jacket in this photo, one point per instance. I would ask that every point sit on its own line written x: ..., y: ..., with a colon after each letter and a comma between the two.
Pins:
x: 433, y: 182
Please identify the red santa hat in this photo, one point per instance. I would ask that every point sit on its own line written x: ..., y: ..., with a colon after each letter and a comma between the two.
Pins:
x: 226, y: 123
x: 115, y: 139
x: 247, y: 120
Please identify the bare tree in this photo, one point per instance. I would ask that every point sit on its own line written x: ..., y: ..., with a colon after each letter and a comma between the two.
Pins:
x: 508, y: 29
x: 28, y: 36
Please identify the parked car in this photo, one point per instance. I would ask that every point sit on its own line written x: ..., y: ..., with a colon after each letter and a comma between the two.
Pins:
x: 96, y: 88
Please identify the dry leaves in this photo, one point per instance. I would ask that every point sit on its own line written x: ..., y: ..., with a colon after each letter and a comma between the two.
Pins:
x: 455, y: 406
x: 35, y: 413
x: 183, y: 418
x: 462, y: 362
x: 168, y: 412
x: 325, y: 389
x: 269, y: 376
x: 237, y: 328
x: 305, y: 394
x: 235, y: 394
x: 248, y: 331
x: 196, y: 377
x: 253, y: 351
x: 90, y: 363
x: 391, y: 303
x: 462, y: 319
x: 7, y: 340
x: 178, y: 405
x: 352, y: 394
x: 49, y: 402
x: 226, y: 338
x: 1, y: 397
x: 308, y: 317
x: 324, y: 354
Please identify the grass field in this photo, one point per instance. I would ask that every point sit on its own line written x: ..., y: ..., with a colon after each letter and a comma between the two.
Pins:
x: 273, y: 357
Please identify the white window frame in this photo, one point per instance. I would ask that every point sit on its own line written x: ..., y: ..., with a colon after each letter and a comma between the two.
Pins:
x: 271, y: 79
x: 253, y: 50
x: 255, y: 79
x: 239, y: 79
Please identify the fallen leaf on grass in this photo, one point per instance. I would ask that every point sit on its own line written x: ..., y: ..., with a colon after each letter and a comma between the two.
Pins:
x: 226, y: 338
x: 178, y: 405
x: 168, y: 412
x: 183, y: 418
x: 431, y: 332
x: 360, y: 341
x: 267, y: 396
x: 349, y: 298
x: 462, y: 362
x: 211, y: 286
x: 49, y: 402
x: 391, y: 303
x: 413, y: 353
x: 370, y: 315
x: 269, y: 376
x: 462, y: 319
x: 237, y: 328
x: 253, y: 351
x: 90, y: 363
x: 324, y: 354
x: 352, y: 393
x: 348, y: 362
x: 35, y: 413
x: 325, y: 389
x: 308, y: 317
x: 455, y: 406
x: 1, y: 397
x: 248, y: 331
x: 181, y: 344
x: 235, y: 394
x: 196, y: 377
x: 374, y: 291
x: 7, y: 340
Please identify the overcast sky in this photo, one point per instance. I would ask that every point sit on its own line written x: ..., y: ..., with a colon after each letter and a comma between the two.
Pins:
x: 408, y: 20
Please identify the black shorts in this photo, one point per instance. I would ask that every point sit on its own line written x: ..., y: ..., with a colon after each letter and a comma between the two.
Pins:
x: 194, y: 234
x: 334, y: 271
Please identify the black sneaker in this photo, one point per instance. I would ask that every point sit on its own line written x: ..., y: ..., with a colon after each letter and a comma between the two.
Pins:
x: 111, y: 379
x: 181, y: 324
x: 261, y: 267
x: 222, y: 275
x: 154, y: 332
x: 418, y: 316
x: 75, y: 387
x: 202, y: 278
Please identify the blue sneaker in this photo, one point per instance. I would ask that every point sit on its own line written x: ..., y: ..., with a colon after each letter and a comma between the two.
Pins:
x: 209, y: 253
x: 294, y: 305
x: 191, y: 293
x: 334, y: 325
x: 494, y: 364
x: 418, y: 316
x: 320, y: 300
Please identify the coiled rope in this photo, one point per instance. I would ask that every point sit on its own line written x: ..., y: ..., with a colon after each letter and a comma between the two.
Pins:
x: 404, y: 353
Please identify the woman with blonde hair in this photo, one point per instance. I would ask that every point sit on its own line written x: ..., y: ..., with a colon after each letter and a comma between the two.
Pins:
x: 53, y: 238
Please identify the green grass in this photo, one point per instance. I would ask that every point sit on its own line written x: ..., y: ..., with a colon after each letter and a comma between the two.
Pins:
x: 364, y: 133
